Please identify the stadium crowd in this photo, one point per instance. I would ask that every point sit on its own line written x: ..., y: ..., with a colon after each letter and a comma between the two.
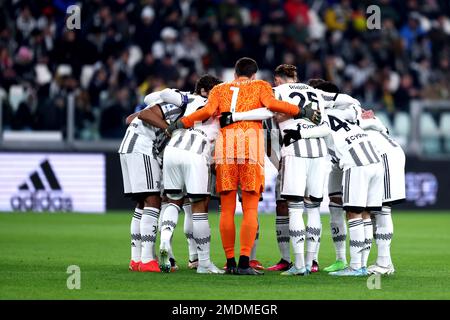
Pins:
x: 125, y: 49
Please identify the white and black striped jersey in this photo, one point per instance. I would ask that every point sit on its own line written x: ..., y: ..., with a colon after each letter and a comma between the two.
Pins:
x: 147, y: 139
x: 338, y: 100
x: 301, y: 94
x: 378, y: 134
x: 272, y: 141
x: 201, y: 137
x: 348, y: 144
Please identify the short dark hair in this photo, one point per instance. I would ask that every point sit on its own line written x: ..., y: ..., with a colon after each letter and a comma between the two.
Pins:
x: 328, y: 86
x: 245, y: 67
x: 315, y: 82
x: 286, y: 71
x: 206, y: 82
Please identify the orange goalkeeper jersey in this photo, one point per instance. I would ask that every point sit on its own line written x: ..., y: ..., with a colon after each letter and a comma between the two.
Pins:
x: 240, y: 95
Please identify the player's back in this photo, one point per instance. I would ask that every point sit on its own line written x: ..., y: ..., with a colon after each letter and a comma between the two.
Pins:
x: 241, y: 95
x: 238, y: 96
x: 198, y: 139
x: 302, y: 95
x: 349, y: 143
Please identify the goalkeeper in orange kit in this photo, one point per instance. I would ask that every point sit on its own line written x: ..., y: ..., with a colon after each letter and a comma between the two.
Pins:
x: 239, y: 153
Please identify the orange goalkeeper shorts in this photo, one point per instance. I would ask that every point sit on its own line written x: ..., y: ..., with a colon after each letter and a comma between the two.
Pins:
x: 249, y: 176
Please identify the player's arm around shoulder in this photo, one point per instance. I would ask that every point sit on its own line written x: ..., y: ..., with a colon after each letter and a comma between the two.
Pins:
x: 268, y: 99
x: 207, y: 111
x: 153, y: 116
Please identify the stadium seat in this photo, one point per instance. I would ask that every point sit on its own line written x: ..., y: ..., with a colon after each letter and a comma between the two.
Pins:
x: 445, y: 124
x: 402, y: 124
x: 428, y: 126
x: 445, y: 130
x: 429, y: 134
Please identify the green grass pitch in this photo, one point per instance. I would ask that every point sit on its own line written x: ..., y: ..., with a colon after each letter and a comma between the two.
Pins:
x: 36, y: 249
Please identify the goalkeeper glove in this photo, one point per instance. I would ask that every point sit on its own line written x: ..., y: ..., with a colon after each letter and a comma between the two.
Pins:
x: 225, y: 119
x: 290, y: 136
x: 173, y: 126
x: 309, y: 113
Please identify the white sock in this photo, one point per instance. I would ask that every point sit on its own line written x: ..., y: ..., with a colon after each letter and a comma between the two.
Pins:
x: 313, y: 230
x: 383, y: 236
x: 188, y: 231
x: 338, y: 230
x: 135, y: 231
x: 149, y: 230
x: 202, y: 237
x: 316, y: 257
x: 297, y: 232
x: 168, y: 225
x: 163, y: 207
x: 356, y: 233
x: 171, y: 255
x: 282, y: 228
x: 255, y: 245
x: 368, y: 235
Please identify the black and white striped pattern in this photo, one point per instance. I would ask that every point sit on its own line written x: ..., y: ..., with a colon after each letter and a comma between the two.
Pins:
x: 152, y: 213
x: 199, y: 217
x: 295, y: 205
x: 312, y: 205
x: 283, y: 239
x: 296, y: 233
x: 132, y: 143
x: 282, y: 220
x: 357, y: 244
x: 334, y: 205
x: 355, y: 223
x: 387, y: 178
x: 191, y: 141
x: 383, y: 236
x: 307, y: 148
x: 137, y: 215
x: 346, y: 191
x: 136, y: 236
x: 202, y: 241
x: 124, y: 141
x: 313, y: 231
x: 189, y: 235
x: 363, y: 154
x: 148, y: 238
x: 168, y: 223
x: 148, y: 171
x: 338, y: 238
x: 129, y: 142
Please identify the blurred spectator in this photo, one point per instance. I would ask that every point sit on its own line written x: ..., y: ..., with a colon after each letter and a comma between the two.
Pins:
x: 295, y: 9
x: 25, y: 22
x: 167, y: 70
x: 52, y: 114
x: 145, y: 68
x: 147, y: 29
x: 405, y: 93
x: 152, y: 44
x: 84, y: 117
x: 168, y: 45
x: 112, y: 119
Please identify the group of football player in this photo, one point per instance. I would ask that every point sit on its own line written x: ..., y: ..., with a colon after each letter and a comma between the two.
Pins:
x: 183, y: 148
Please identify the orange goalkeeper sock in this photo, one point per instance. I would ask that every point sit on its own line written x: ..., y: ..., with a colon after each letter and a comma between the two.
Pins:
x: 249, y: 224
x: 227, y: 227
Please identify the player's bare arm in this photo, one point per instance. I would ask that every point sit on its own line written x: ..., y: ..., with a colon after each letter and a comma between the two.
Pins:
x: 131, y: 117
x: 154, y: 117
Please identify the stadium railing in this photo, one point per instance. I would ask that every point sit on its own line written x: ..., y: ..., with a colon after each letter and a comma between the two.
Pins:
x: 424, y: 132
